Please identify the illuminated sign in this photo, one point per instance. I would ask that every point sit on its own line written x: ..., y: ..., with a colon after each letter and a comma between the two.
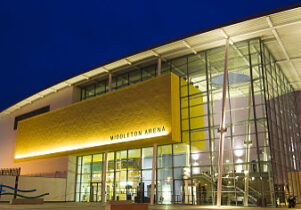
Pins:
x: 137, y: 133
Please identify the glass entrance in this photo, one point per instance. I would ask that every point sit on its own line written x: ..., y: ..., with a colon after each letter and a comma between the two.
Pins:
x: 95, y: 191
x: 127, y: 174
x: 89, y: 178
x: 182, y: 192
x: 121, y: 184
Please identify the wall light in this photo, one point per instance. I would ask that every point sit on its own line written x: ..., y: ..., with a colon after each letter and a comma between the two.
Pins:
x: 88, y: 145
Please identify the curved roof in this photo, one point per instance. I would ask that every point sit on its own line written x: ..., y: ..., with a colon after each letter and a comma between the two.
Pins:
x: 280, y: 30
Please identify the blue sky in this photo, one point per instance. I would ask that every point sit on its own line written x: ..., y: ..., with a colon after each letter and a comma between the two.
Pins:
x: 43, y: 42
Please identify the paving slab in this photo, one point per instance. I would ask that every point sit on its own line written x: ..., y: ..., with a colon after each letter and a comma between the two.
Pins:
x: 99, y: 206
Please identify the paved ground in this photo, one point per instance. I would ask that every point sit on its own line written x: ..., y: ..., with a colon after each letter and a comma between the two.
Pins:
x: 93, y: 206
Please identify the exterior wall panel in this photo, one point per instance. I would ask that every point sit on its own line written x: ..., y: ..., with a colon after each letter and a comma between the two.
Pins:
x: 46, y: 167
x: 141, y: 114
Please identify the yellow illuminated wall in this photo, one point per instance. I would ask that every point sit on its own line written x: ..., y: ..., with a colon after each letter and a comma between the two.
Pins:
x: 138, y: 115
x: 193, y: 114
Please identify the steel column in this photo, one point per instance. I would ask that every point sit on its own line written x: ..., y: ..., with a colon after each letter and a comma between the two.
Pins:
x: 211, y: 134
x: 104, y: 176
x: 110, y: 82
x: 159, y: 66
x: 248, y: 143
x: 222, y: 128
x: 153, y: 174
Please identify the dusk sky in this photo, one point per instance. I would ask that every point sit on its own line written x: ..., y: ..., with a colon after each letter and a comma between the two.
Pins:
x: 43, y: 42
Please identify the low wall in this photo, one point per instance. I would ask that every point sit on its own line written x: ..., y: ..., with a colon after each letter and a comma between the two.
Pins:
x: 10, y: 181
x: 56, y: 187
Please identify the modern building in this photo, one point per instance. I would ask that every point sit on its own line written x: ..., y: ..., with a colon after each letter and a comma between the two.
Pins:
x: 146, y: 127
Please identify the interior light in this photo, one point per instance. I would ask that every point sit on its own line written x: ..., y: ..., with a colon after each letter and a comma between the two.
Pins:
x: 238, y: 152
x: 196, y: 170
x: 239, y: 167
x: 195, y: 156
x: 239, y: 160
x: 195, y: 163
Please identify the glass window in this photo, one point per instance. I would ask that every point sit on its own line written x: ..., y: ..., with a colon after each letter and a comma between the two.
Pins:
x: 181, y: 154
x: 165, y: 67
x: 101, y: 87
x: 97, y: 167
x: 86, y: 168
x: 121, y: 160
x: 114, y: 83
x: 83, y: 93
x: 147, y: 158
x: 134, y: 164
x: 90, y: 91
x: 179, y: 66
x: 111, y: 161
x: 148, y: 72
x: 147, y: 175
x: 134, y: 153
x: 164, y: 158
x: 122, y: 80
x: 135, y: 77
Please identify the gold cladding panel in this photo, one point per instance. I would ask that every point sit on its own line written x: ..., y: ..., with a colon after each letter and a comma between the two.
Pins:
x: 126, y: 114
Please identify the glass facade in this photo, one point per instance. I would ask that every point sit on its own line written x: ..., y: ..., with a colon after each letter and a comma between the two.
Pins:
x: 119, y: 81
x: 262, y: 143
x: 283, y: 129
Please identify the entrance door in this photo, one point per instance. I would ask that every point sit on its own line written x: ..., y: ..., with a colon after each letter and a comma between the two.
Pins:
x: 182, y: 191
x: 95, y: 192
